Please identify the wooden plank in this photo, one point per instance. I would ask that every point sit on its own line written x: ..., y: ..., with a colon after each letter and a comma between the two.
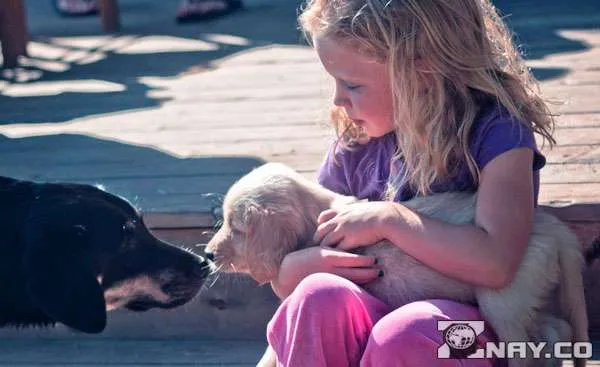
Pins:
x: 123, y: 352
x: 574, y: 120
x: 574, y: 153
x: 570, y: 173
x: 573, y: 98
x: 588, y: 75
x: 162, y: 194
x: 90, y: 164
x: 569, y: 193
x: 578, y: 135
x: 234, y: 136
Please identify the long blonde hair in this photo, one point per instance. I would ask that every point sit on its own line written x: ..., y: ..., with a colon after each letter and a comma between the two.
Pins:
x: 445, y: 58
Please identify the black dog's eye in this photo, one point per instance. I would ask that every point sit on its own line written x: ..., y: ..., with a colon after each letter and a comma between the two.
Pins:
x: 80, y: 229
x: 129, y: 227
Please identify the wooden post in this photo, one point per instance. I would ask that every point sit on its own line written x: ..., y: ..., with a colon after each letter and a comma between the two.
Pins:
x: 13, y: 31
x: 109, y: 12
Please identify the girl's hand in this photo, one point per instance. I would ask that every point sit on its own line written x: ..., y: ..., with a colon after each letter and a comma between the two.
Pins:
x: 355, y: 225
x: 299, y: 264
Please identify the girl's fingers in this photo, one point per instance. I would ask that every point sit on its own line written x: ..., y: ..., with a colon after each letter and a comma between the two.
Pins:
x: 323, y: 230
x: 326, y: 215
x: 331, y: 238
x: 359, y: 275
x: 343, y: 259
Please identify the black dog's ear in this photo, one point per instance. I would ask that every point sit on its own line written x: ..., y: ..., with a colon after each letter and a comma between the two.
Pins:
x: 61, y: 281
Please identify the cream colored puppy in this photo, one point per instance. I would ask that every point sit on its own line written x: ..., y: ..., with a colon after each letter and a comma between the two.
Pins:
x: 273, y: 211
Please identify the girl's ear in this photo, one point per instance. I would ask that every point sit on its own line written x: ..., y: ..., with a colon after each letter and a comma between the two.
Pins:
x: 425, y: 72
x: 271, y: 236
x: 423, y: 65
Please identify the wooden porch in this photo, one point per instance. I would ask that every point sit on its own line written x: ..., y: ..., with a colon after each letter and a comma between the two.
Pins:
x: 170, y: 116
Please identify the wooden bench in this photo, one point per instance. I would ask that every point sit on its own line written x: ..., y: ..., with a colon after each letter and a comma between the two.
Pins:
x: 13, y: 27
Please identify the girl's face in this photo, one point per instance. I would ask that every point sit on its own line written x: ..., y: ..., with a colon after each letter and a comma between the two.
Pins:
x: 362, y: 86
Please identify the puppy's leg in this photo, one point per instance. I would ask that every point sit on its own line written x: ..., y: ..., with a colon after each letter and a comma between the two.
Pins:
x: 269, y: 359
x: 571, y: 290
x: 507, y: 329
x: 513, y: 310
x: 553, y: 330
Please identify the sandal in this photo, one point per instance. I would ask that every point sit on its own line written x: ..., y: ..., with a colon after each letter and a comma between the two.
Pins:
x: 199, y: 10
x: 75, y: 7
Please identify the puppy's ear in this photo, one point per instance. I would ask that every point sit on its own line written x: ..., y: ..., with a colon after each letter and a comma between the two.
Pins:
x: 60, y: 279
x: 272, y: 234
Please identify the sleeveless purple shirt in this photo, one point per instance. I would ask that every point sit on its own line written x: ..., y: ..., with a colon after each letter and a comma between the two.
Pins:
x: 364, y: 170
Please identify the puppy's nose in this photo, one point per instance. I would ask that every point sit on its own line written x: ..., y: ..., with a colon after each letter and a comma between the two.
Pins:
x: 209, y: 255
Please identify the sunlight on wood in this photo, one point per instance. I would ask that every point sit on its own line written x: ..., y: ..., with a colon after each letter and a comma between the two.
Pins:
x: 58, y: 87
x: 227, y: 39
x: 160, y: 44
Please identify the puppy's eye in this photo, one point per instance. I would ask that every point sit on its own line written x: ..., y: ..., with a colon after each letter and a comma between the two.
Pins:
x: 129, y: 227
x: 237, y: 230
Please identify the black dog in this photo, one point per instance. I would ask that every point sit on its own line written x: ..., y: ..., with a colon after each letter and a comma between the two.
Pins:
x: 70, y: 252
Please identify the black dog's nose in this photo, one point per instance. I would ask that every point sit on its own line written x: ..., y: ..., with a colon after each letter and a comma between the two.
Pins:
x: 209, y: 255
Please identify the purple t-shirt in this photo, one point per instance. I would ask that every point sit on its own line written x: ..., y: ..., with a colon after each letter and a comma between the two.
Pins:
x: 363, y: 171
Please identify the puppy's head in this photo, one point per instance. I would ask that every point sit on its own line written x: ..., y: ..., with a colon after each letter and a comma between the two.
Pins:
x: 88, y: 251
x: 267, y: 214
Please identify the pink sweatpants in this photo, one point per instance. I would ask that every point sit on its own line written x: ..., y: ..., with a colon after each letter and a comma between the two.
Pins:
x: 330, y: 321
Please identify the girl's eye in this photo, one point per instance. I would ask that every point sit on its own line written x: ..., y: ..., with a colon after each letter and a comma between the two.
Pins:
x: 351, y: 86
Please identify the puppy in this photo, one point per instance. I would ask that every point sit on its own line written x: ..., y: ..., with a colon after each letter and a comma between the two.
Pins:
x: 70, y: 252
x: 273, y: 211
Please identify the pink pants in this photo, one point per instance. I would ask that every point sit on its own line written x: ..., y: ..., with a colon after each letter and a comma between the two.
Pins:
x: 330, y: 321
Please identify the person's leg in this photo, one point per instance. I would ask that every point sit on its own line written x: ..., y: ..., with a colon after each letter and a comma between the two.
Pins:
x: 408, y: 336
x: 326, y: 321
x: 198, y: 10
x: 187, y: 11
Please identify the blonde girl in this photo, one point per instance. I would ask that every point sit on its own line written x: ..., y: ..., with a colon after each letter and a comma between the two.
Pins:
x: 430, y: 96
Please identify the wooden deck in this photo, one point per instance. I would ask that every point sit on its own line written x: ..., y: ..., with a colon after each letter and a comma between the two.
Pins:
x: 170, y: 116
x: 166, y: 118
x: 127, y: 353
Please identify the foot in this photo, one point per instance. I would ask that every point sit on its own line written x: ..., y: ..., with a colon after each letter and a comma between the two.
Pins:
x: 198, y: 10
x: 75, y: 7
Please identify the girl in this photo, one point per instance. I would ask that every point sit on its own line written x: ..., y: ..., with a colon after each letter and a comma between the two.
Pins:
x: 430, y: 96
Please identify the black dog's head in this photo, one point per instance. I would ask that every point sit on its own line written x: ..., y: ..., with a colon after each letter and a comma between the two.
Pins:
x: 87, y: 251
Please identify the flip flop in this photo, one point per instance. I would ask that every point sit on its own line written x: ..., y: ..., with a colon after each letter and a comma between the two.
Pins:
x: 202, y: 10
x: 71, y: 8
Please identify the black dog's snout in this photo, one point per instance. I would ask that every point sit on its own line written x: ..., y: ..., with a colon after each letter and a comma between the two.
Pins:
x: 209, y: 255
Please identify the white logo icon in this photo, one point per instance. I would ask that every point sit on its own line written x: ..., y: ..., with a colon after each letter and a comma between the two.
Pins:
x: 460, y: 339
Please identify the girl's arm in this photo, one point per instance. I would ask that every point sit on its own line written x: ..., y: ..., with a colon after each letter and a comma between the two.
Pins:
x: 489, y: 252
